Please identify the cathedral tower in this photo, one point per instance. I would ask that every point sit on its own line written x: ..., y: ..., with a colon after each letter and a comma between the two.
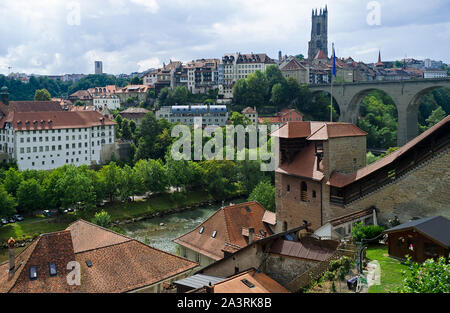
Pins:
x: 319, y: 33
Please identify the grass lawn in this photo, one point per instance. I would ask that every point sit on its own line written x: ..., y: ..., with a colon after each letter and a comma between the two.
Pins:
x: 157, y: 203
x: 391, y: 268
x: 30, y: 227
x: 118, y: 211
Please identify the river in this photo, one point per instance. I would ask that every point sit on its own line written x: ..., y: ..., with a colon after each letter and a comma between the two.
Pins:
x: 174, y: 225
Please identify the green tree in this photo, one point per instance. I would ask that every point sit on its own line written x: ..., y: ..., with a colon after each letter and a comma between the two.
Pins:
x: 436, y: 116
x: 102, y: 219
x: 42, y: 95
x: 126, y: 130
x: 264, y: 193
x: 274, y: 76
x: 151, y: 176
x: 30, y: 196
x: 252, y: 91
x: 136, y: 81
x: 239, y: 119
x: 217, y: 176
x: 7, y: 203
x: 180, y: 95
x: 13, y: 178
x: 179, y: 173
x: 429, y: 277
x: 111, y: 176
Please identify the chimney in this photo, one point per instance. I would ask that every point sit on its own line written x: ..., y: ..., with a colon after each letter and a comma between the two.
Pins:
x: 251, y: 234
x: 209, y: 289
x: 12, y: 257
x: 4, y: 95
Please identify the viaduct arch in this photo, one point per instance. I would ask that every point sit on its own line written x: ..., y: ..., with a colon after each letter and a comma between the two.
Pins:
x: 406, y: 94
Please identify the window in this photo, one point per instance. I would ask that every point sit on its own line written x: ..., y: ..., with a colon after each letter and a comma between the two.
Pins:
x: 314, y: 194
x: 33, y: 273
x: 214, y: 234
x: 198, y: 257
x: 202, y: 229
x: 247, y: 283
x: 303, y: 192
x: 288, y: 188
x: 52, y: 269
x: 88, y: 263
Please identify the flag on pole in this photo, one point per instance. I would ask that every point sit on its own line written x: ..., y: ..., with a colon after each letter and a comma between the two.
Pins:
x: 334, y: 62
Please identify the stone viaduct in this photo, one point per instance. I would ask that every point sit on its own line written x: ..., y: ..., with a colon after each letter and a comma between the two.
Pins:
x: 406, y: 94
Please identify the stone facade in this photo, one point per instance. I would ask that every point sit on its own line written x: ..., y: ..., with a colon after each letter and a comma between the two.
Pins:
x: 420, y: 193
x: 344, y: 154
x: 194, y: 256
x: 319, y: 33
x: 291, y: 210
x: 407, y: 96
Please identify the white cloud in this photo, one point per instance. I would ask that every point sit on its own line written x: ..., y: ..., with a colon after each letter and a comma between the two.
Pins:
x: 131, y: 35
x: 150, y: 5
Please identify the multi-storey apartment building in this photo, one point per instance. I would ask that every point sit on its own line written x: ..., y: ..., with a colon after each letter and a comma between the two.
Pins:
x: 237, y: 66
x: 187, y: 114
x: 111, y: 102
x: 40, y: 135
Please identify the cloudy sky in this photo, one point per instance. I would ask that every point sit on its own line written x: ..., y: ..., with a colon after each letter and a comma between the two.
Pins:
x: 56, y: 37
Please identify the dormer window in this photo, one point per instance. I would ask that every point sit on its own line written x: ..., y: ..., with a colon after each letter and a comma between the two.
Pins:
x: 33, y: 273
x: 52, y: 269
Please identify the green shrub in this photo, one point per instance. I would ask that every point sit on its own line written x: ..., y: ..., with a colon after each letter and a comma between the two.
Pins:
x: 102, y: 219
x: 361, y: 232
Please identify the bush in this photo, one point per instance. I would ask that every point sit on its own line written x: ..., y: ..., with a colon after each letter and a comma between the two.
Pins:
x: 429, y: 277
x: 102, y: 219
x: 368, y: 232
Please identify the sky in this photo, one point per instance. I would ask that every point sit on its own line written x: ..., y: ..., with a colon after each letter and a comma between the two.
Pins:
x: 57, y: 37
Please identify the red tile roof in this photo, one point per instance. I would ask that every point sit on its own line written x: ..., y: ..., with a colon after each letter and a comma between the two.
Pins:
x: 293, y: 130
x: 307, y: 248
x: 260, y: 281
x: 56, y: 120
x: 228, y: 222
x: 340, y: 180
x: 320, y: 56
x: 335, y: 130
x: 34, y: 106
x: 54, y: 247
x: 303, y: 165
x: 119, y: 263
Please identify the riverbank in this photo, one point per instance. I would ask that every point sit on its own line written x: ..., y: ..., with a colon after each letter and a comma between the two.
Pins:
x: 121, y: 213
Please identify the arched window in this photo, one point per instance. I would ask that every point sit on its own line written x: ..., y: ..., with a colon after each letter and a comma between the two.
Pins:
x: 318, y: 29
x: 304, y: 192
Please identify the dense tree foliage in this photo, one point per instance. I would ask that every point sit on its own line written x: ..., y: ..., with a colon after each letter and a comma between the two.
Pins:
x: 264, y: 193
x: 272, y: 90
x: 429, y: 277
x: 42, y: 95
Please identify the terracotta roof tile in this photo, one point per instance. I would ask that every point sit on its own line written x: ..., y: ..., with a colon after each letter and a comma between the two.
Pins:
x: 340, y: 180
x: 307, y: 248
x: 119, y: 263
x: 53, y: 247
x: 335, y: 130
x: 228, y: 222
x: 128, y: 266
x: 303, y: 165
x: 88, y: 236
x: 56, y: 120
x: 260, y: 281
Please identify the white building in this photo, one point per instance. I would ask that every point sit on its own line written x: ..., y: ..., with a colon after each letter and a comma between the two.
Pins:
x: 111, y: 102
x: 39, y: 135
x: 185, y: 114
x: 434, y: 73
x: 237, y: 66
x: 251, y: 114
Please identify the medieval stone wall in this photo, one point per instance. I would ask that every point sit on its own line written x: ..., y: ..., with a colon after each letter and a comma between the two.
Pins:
x: 290, y: 208
x: 422, y: 192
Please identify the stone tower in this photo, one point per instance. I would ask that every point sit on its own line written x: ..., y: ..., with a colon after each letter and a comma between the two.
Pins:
x: 319, y: 33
